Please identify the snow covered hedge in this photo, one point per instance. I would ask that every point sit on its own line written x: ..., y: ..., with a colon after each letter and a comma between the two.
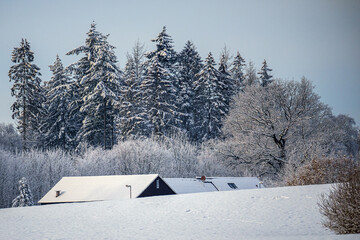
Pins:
x: 341, y: 207
x: 321, y: 170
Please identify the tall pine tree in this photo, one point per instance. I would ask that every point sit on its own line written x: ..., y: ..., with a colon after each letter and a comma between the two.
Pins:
x: 264, y: 75
x: 160, y: 87
x: 79, y: 69
x: 101, y: 97
x: 99, y: 88
x: 132, y: 119
x: 237, y: 72
x: 228, y: 84
x: 58, y: 130
x: 158, y: 96
x: 209, y: 102
x: 27, y: 108
x: 190, y: 64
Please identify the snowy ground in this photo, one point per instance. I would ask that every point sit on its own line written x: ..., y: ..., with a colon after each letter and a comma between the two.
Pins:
x: 273, y: 213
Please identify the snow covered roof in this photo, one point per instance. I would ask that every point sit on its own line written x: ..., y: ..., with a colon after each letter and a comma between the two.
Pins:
x: 195, y: 185
x: 98, y: 188
x: 222, y: 183
x: 189, y: 185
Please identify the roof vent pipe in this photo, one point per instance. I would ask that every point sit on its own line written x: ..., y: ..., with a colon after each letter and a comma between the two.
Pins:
x: 57, y: 193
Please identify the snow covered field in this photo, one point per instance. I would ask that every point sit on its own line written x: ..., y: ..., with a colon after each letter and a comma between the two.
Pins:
x: 273, y: 213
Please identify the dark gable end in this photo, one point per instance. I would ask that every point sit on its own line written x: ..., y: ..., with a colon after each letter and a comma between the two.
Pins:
x: 156, y: 188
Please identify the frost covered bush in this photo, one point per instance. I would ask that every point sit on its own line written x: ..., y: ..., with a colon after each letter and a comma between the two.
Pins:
x: 41, y: 169
x: 25, y: 197
x: 184, y: 156
x: 169, y: 157
x: 321, y: 171
x: 341, y: 207
x: 139, y: 156
x: 211, y: 165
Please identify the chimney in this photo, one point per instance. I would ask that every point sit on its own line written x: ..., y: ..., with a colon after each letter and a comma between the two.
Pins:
x: 57, y: 193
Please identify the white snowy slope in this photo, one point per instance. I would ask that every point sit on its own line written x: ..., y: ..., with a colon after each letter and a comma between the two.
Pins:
x: 272, y: 213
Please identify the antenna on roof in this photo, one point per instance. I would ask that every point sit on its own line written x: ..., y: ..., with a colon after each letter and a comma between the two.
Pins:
x: 129, y: 186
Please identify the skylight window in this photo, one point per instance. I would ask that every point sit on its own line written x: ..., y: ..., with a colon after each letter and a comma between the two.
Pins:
x: 232, y: 185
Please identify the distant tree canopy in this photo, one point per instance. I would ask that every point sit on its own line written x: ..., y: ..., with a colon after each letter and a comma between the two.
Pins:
x: 93, y: 102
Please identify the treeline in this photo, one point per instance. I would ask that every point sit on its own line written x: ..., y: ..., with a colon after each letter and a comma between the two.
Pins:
x: 159, y: 93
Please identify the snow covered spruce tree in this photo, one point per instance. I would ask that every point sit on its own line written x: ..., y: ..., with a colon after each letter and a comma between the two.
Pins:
x: 237, y: 72
x: 190, y: 64
x: 132, y: 118
x: 264, y: 75
x: 99, y: 84
x: 209, y: 102
x: 27, y: 108
x: 78, y: 71
x: 159, y: 88
x: 228, y: 89
x: 25, y: 197
x: 58, y: 130
x: 158, y: 94
x: 101, y: 97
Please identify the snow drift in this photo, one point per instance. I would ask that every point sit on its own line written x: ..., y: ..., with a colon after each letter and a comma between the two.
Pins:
x: 272, y: 213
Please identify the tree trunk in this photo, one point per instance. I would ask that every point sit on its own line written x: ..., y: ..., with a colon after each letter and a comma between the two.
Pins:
x: 24, y: 125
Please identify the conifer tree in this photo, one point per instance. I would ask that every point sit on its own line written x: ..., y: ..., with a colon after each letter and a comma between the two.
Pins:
x: 190, y: 64
x: 25, y: 197
x: 209, y: 102
x: 132, y: 119
x: 228, y: 89
x: 27, y: 108
x: 58, y: 130
x: 237, y: 72
x: 160, y: 88
x: 157, y: 95
x: 79, y: 69
x: 264, y: 75
x: 99, y: 84
x: 75, y: 117
x: 101, y: 97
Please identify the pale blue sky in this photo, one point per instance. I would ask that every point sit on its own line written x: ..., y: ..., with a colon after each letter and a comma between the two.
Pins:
x: 316, y: 39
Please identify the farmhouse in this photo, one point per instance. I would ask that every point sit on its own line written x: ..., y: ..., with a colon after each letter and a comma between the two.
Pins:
x: 99, y: 188
x: 212, y: 184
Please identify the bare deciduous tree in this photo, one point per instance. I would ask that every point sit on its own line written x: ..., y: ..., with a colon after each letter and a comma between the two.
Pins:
x: 269, y: 127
